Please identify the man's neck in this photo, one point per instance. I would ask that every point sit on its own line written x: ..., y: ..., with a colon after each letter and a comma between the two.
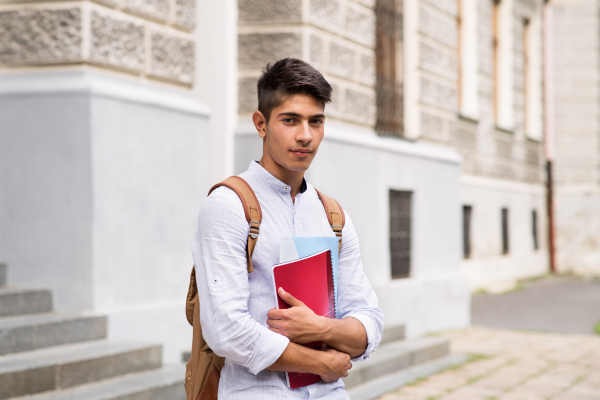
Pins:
x: 291, y: 178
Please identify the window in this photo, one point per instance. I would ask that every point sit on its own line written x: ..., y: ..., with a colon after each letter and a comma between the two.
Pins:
x: 389, y: 61
x: 534, y: 230
x: 468, y: 68
x: 505, y: 246
x: 467, y: 211
x: 496, y: 50
x: 526, y: 74
x: 400, y: 232
x: 502, y: 16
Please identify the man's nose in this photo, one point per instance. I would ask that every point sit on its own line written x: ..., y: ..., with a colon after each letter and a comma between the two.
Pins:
x: 303, y: 134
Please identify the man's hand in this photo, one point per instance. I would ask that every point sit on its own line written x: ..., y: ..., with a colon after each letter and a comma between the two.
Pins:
x: 338, y: 364
x: 298, y: 323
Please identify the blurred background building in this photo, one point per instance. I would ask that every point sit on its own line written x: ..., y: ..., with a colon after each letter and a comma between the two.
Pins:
x: 455, y: 126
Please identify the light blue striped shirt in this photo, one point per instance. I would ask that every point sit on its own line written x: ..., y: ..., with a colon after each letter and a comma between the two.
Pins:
x: 234, y: 303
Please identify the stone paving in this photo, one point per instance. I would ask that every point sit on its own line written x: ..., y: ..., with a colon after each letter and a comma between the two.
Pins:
x: 514, y: 365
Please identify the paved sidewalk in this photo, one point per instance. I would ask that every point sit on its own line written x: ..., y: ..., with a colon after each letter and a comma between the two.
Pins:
x: 553, y: 303
x: 514, y: 365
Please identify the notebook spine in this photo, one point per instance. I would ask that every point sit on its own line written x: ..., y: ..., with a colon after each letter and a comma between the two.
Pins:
x: 329, y: 259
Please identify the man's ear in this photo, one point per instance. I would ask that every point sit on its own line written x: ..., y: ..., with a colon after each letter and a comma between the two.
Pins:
x: 260, y: 123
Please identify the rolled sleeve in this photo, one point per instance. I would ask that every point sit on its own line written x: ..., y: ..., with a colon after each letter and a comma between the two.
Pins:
x: 267, y: 350
x: 357, y: 298
x: 373, y: 336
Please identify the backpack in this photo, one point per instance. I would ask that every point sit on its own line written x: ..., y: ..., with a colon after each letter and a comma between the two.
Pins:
x: 203, y: 370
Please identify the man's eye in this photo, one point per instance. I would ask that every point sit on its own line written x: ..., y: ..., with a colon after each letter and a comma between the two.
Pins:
x: 288, y: 120
x: 317, y: 121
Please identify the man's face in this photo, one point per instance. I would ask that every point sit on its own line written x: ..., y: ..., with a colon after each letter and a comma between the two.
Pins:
x: 293, y: 133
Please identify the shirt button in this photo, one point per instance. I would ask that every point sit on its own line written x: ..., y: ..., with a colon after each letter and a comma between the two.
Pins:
x: 286, y: 188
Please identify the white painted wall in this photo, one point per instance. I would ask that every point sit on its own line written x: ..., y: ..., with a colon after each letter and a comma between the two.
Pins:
x: 217, y: 78
x: 357, y: 168
x: 578, y: 229
x: 488, y: 268
x: 105, y: 177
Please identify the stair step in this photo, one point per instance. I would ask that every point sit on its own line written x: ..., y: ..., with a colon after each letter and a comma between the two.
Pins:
x: 35, y: 331
x: 3, y: 274
x: 396, y: 355
x: 165, y: 383
x: 392, y: 334
x: 18, y: 301
x: 379, y: 386
x: 73, y: 364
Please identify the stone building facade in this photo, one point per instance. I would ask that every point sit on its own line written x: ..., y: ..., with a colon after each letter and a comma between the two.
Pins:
x: 457, y: 91
x: 576, y: 155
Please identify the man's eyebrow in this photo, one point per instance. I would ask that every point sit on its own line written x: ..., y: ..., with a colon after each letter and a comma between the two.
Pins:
x: 289, y: 114
x: 293, y: 114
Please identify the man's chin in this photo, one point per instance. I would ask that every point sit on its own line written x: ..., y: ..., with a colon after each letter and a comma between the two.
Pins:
x: 296, y: 166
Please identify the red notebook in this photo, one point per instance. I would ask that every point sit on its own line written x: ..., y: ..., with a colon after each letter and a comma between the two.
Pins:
x: 310, y: 280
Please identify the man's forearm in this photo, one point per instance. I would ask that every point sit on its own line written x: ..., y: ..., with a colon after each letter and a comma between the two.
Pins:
x: 298, y: 358
x: 329, y: 363
x: 347, y: 335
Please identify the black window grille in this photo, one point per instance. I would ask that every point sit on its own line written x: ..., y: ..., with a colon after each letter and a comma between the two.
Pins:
x: 534, y: 229
x: 467, y: 211
x: 389, y: 60
x: 400, y: 232
x: 505, y: 238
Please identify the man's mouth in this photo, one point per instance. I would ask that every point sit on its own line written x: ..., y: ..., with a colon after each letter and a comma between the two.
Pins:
x: 301, y: 152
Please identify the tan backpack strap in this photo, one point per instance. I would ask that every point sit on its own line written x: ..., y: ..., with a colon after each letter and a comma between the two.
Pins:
x: 335, y: 215
x: 251, y: 209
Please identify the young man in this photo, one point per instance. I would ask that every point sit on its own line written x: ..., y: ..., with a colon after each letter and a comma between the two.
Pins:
x: 239, y: 317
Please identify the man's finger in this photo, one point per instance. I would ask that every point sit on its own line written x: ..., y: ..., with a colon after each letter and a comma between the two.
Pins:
x: 276, y: 313
x: 274, y: 323
x: 288, y: 298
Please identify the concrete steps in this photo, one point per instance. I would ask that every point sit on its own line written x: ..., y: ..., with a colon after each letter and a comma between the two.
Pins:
x: 160, y: 384
x: 74, y: 364
x: 17, y: 301
x: 394, y: 356
x: 56, y: 355
x: 386, y: 383
x: 35, y: 331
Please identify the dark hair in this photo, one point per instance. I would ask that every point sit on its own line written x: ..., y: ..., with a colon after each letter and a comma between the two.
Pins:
x: 287, y: 77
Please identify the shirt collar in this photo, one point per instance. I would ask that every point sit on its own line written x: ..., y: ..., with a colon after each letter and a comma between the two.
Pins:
x: 274, y: 183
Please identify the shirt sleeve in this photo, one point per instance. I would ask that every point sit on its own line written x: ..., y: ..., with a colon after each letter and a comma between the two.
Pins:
x: 356, y: 297
x: 219, y: 251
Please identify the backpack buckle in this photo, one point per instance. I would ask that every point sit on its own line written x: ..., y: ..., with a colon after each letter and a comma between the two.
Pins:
x: 254, y: 229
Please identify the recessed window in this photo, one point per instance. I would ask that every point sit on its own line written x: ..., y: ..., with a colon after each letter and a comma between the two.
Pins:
x: 534, y: 229
x: 505, y: 238
x: 467, y: 211
x: 389, y: 60
x: 496, y: 52
x: 526, y: 73
x: 400, y: 232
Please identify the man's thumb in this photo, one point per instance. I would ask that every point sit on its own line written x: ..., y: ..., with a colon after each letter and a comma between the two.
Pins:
x: 289, y: 299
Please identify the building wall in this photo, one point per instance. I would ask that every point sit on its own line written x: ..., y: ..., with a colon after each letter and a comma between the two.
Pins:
x: 355, y: 165
x: 335, y: 36
x: 145, y: 39
x: 577, y: 142
x: 498, y: 153
x: 104, y: 159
